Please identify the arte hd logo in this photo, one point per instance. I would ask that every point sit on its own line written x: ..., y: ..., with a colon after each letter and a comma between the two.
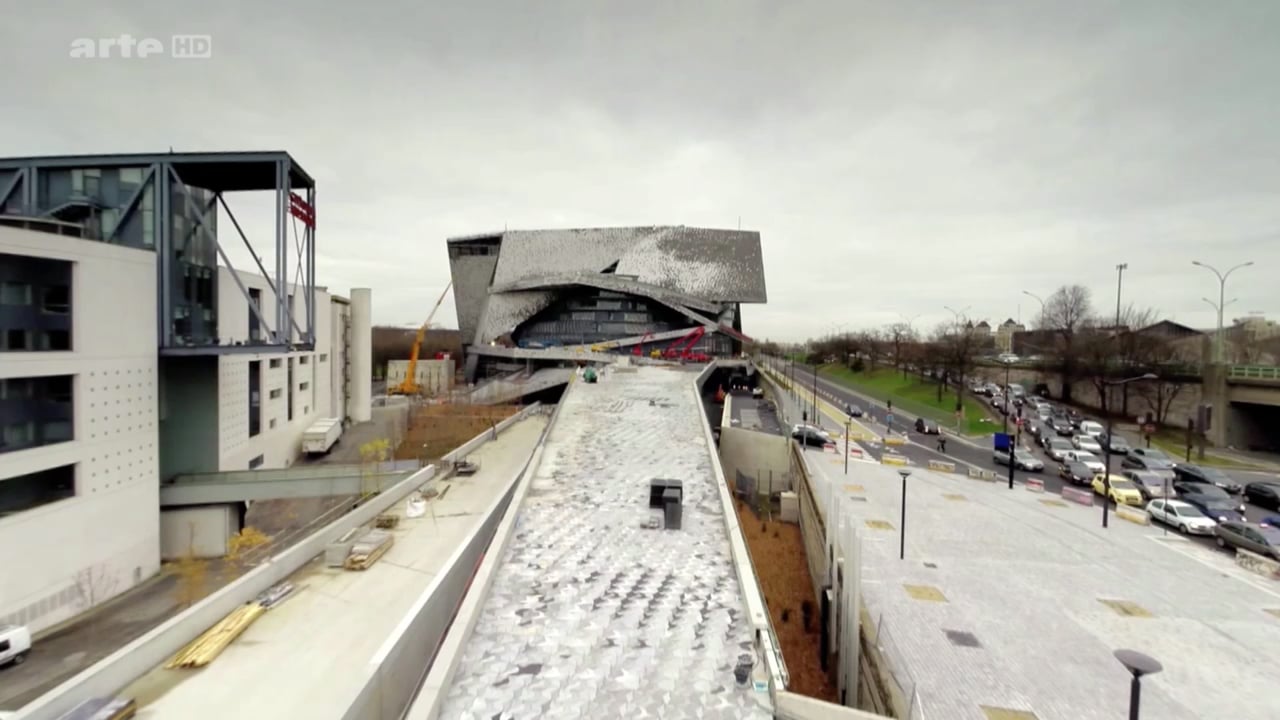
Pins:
x: 128, y: 47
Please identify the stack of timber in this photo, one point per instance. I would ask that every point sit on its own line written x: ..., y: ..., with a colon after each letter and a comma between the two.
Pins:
x: 204, y: 649
x: 366, y: 551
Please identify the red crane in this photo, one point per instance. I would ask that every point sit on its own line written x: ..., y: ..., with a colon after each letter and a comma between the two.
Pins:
x: 682, y: 349
x: 639, y: 349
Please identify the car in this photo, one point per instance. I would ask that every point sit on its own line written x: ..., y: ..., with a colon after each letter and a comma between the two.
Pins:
x: 1117, y: 489
x: 1091, y: 428
x: 1211, y: 501
x: 1187, y: 472
x: 1035, y: 429
x: 1156, y: 453
x: 1087, y: 458
x: 1148, y: 463
x: 1263, y: 494
x: 853, y: 411
x: 1045, y: 411
x: 1022, y: 459
x: 757, y: 392
x: 1270, y: 520
x: 1261, y: 539
x: 1057, y: 448
x: 811, y: 436
x: 1075, y: 417
x: 1184, y: 516
x: 927, y: 427
x: 1149, y: 484
x: 1007, y: 357
x: 1076, y: 473
x: 1086, y: 442
x: 1114, y: 444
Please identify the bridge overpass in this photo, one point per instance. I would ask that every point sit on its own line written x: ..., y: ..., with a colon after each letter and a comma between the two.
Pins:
x: 1245, y: 399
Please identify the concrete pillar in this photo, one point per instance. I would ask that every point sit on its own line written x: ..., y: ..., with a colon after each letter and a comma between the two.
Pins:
x: 1213, y: 392
x: 361, y: 350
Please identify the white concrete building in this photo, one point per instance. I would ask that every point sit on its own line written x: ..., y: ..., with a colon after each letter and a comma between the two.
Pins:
x: 128, y: 356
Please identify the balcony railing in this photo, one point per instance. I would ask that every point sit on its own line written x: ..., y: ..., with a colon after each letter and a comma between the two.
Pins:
x: 1269, y: 373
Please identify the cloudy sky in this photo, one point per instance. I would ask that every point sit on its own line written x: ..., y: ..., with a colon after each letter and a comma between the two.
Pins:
x: 896, y: 156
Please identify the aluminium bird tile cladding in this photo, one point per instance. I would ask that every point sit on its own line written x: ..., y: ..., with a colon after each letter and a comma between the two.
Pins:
x: 593, y: 614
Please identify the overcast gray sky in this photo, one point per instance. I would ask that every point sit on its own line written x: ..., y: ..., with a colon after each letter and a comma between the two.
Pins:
x: 896, y: 156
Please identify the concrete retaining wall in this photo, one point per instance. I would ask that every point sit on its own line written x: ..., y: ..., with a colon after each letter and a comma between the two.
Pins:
x: 985, y: 475
x: 942, y: 466
x: 1076, y: 495
x: 759, y: 455
x: 892, y: 460
x: 114, y: 672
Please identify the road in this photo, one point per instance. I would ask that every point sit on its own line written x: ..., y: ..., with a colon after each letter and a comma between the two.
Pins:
x: 920, y: 449
x: 753, y: 414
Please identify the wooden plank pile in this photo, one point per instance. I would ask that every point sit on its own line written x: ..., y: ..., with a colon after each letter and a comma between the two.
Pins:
x: 366, y: 550
x: 204, y: 649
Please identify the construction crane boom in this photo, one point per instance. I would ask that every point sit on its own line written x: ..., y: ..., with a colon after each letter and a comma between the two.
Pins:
x: 409, y: 386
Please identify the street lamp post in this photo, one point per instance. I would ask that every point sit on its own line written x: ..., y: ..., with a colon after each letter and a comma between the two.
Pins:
x: 1038, y: 299
x: 1106, y: 452
x: 1138, y: 664
x: 902, y: 529
x: 1222, y: 299
x: 816, y: 422
x: 847, y: 420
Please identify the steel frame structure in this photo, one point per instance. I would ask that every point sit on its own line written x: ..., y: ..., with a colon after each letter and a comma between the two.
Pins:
x: 217, y: 173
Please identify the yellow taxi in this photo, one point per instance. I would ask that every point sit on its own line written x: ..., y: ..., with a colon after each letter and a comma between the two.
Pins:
x: 1123, y: 490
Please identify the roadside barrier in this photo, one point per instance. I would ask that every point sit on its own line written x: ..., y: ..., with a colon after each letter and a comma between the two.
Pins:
x: 986, y: 475
x: 1035, y: 485
x: 942, y: 466
x: 1076, y: 495
x: 893, y: 460
x: 891, y: 440
x: 1134, y: 516
x: 1255, y: 563
x: 855, y: 452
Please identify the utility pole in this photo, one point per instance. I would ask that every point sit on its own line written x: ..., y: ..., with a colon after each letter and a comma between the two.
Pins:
x: 1219, y: 355
x: 815, y: 396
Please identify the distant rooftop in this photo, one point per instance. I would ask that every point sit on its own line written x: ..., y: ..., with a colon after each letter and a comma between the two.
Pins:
x: 217, y: 171
x: 592, y: 614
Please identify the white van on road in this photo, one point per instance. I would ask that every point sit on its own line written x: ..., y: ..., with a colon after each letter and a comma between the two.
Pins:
x: 15, y: 643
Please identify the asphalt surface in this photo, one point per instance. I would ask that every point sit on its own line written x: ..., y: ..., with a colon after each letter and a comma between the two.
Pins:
x: 754, y: 413
x: 920, y: 449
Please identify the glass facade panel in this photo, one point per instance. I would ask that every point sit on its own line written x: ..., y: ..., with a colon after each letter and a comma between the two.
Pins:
x: 36, y: 411
x: 26, y: 492
x: 35, y: 304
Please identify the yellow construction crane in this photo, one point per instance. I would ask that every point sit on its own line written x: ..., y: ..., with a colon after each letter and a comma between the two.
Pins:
x: 409, y: 386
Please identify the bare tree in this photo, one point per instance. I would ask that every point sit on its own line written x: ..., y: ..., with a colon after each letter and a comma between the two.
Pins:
x: 899, y: 339
x: 1068, y: 311
x: 94, y: 585
x: 956, y: 345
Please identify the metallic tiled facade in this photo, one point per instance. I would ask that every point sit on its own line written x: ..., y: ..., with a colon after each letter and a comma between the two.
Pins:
x: 594, y: 614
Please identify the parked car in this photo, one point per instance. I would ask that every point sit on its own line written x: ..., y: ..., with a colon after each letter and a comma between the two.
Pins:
x: 1114, y: 444
x: 1211, y: 501
x: 1262, y: 539
x: 853, y: 410
x: 1211, y: 476
x: 1184, y: 516
x: 1057, y: 448
x: 811, y: 436
x: 1148, y: 463
x: 1264, y: 493
x: 1087, y: 458
x: 1156, y: 453
x: 1150, y: 484
x: 1022, y: 459
x: 1270, y: 521
x: 1075, y: 417
x: 1119, y: 490
x: 1086, y: 442
x: 927, y: 427
x: 1076, y: 473
x: 15, y: 644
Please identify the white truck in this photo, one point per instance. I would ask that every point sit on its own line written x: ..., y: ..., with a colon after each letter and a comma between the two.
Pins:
x: 321, y: 436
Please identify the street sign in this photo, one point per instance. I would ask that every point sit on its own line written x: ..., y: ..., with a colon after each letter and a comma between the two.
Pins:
x: 1149, y: 429
x: 1001, y: 441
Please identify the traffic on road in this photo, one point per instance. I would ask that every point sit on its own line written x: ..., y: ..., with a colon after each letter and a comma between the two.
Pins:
x: 1060, y: 446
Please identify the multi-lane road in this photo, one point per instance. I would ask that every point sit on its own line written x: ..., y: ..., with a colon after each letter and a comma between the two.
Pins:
x: 919, y: 449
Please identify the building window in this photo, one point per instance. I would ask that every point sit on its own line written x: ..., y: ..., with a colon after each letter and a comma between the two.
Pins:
x: 275, y: 363
x: 26, y: 492
x: 272, y: 424
x: 304, y: 386
x: 302, y: 360
x: 274, y: 394
x: 324, y: 357
x: 255, y: 397
x: 35, y: 304
x: 36, y: 411
x: 255, y: 306
x: 256, y: 463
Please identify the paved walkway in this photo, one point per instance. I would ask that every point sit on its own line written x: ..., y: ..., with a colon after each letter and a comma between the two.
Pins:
x: 1020, y: 619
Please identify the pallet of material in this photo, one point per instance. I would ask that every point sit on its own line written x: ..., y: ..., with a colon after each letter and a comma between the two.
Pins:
x: 366, y: 551
x: 204, y: 649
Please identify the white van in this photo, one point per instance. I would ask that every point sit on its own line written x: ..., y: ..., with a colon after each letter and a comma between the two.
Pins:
x: 15, y: 643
